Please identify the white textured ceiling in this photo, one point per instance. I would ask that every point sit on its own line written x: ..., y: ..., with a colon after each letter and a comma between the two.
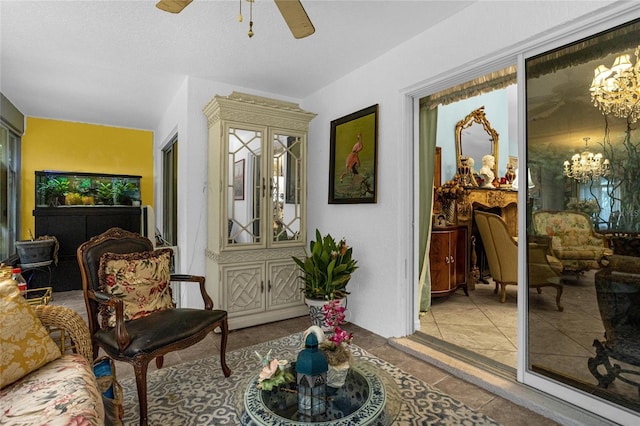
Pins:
x: 120, y: 63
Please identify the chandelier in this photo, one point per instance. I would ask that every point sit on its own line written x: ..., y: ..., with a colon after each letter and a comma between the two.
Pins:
x: 586, y: 166
x: 617, y: 90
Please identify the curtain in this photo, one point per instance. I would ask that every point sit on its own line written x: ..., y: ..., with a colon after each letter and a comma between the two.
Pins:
x: 426, y: 168
x: 483, y: 84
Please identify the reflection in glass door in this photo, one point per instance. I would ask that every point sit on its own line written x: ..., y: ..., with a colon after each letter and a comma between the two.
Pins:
x: 585, y: 213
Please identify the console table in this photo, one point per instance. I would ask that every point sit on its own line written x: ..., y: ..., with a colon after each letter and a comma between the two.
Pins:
x: 368, y: 397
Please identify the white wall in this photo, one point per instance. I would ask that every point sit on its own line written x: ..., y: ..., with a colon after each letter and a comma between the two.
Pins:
x: 378, y: 232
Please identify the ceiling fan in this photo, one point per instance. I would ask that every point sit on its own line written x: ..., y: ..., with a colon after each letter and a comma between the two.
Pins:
x: 292, y: 11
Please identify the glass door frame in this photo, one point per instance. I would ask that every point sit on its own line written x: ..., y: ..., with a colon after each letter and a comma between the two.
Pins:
x: 616, y: 14
x: 576, y: 31
x: 11, y: 191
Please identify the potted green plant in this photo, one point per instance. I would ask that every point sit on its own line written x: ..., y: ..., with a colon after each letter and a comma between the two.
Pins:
x: 326, y: 271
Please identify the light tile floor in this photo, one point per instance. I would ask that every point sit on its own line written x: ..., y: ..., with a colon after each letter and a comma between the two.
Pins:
x: 500, y: 409
x: 559, y: 341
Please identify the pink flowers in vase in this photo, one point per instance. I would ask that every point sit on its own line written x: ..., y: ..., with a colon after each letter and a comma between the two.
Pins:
x: 333, y: 318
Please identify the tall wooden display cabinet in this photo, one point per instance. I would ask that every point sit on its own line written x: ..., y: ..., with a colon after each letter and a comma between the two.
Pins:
x: 256, y: 207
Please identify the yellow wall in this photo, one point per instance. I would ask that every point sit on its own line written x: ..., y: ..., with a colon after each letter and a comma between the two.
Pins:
x: 79, y: 147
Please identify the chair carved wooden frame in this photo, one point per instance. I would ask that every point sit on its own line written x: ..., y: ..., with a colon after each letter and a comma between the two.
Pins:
x: 141, y: 340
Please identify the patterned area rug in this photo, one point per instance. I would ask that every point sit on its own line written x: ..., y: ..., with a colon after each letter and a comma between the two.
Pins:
x: 196, y: 393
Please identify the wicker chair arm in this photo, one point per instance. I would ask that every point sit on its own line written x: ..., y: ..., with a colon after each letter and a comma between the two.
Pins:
x: 72, y: 325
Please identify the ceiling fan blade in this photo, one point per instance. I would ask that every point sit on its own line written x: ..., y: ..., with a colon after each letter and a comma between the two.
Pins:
x: 173, y: 6
x: 296, y: 18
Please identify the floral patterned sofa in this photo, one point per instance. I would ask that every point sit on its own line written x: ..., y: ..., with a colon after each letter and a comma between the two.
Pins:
x: 43, y: 381
x: 573, y: 240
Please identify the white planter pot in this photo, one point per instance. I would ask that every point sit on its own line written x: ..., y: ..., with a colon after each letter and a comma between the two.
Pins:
x: 337, y: 374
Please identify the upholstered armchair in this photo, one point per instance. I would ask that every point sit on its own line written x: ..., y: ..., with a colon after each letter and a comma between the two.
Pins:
x: 131, y: 313
x: 502, y: 255
x: 573, y: 240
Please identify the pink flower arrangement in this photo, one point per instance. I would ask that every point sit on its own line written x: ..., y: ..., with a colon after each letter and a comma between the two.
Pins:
x: 333, y: 319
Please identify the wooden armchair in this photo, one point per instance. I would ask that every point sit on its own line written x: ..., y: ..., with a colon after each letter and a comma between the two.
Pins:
x: 114, y: 266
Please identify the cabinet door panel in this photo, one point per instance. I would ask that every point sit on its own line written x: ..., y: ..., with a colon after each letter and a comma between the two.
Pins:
x: 284, y: 284
x: 96, y: 225
x: 438, y: 255
x: 245, y: 185
x: 68, y: 229
x: 286, y: 188
x: 459, y: 253
x: 244, y: 287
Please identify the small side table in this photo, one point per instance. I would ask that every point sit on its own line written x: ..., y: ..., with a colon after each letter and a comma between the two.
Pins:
x: 32, y: 268
x: 39, y: 296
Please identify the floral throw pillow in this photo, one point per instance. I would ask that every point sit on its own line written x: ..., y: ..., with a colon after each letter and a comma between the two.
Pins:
x: 140, y: 279
x: 25, y: 345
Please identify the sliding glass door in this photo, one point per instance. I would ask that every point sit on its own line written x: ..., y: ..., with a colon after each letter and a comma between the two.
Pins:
x: 9, y: 190
x: 583, y: 152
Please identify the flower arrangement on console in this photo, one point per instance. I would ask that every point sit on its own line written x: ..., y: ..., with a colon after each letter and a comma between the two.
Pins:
x: 335, y: 346
x: 450, y: 191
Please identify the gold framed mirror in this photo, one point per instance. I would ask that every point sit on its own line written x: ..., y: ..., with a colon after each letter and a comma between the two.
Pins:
x: 475, y: 138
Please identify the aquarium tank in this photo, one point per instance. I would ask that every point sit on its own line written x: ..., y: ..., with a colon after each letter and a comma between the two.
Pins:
x: 59, y: 189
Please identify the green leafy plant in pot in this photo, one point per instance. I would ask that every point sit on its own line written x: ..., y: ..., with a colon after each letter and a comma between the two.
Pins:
x: 327, y: 269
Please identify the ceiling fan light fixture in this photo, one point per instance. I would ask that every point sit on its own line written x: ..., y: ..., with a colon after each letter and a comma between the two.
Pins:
x: 250, y: 33
x: 296, y: 18
x: 173, y: 6
x: 292, y: 11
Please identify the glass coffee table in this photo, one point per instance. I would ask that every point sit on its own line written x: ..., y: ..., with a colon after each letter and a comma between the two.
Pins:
x: 369, y: 397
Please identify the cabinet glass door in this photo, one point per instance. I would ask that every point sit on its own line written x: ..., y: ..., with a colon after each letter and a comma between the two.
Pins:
x: 245, y: 186
x: 286, y: 188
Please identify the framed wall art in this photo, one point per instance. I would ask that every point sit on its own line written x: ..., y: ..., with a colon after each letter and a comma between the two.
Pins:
x: 238, y: 180
x: 353, y: 158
